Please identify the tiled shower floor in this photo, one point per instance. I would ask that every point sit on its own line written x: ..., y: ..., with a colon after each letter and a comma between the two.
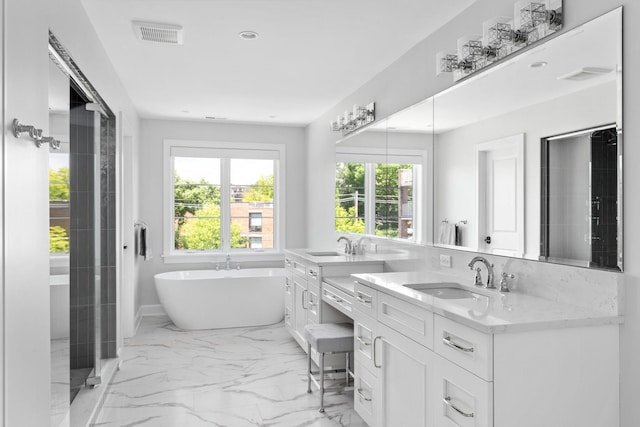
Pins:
x: 227, y: 377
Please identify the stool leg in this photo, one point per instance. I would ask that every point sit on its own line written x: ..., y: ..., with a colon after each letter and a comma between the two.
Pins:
x: 321, y: 382
x: 346, y: 369
x: 308, y: 368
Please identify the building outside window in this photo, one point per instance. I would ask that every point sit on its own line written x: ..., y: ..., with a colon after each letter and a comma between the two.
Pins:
x: 255, y: 222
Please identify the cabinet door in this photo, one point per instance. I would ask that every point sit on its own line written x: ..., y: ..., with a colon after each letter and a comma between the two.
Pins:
x: 405, y: 374
x: 299, y: 310
x: 461, y: 399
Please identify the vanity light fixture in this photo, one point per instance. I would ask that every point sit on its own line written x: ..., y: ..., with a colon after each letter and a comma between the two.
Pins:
x: 501, y: 37
x: 353, y: 120
x: 248, y: 35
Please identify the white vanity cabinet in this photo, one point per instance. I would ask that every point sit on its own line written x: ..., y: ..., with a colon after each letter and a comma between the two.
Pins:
x: 303, y: 296
x: 303, y: 290
x: 417, y: 368
x: 393, y: 372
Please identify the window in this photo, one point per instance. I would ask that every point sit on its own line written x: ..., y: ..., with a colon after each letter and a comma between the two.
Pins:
x: 221, y: 197
x: 255, y: 222
x: 393, y: 181
x: 58, y: 203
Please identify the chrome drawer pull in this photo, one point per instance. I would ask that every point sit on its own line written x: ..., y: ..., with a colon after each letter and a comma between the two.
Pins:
x: 304, y: 291
x: 374, y: 352
x: 361, y: 341
x: 361, y: 394
x: 447, y: 401
x: 362, y: 300
x: 447, y: 341
x: 313, y: 273
x: 335, y: 298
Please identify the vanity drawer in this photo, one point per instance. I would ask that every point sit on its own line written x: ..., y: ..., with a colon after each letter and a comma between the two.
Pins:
x: 365, y: 399
x: 313, y: 304
x: 365, y: 299
x: 465, y: 400
x: 299, y: 268
x: 288, y: 317
x: 363, y: 337
x: 337, y: 299
x: 464, y: 346
x: 288, y: 291
x: 408, y: 319
x: 313, y: 274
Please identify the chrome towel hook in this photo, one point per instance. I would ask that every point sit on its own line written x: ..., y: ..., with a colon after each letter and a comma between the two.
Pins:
x: 35, y: 134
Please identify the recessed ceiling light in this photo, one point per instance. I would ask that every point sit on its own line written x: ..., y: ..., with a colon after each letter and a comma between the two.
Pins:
x: 248, y: 35
x: 538, y: 64
x: 215, y: 118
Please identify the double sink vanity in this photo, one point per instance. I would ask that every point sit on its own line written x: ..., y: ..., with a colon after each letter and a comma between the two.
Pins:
x: 430, y: 350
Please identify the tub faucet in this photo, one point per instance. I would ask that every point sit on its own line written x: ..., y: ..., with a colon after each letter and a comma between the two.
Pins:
x: 227, y: 262
x: 489, y: 266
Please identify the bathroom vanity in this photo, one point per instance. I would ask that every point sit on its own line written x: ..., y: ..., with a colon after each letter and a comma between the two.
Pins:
x: 305, y: 270
x: 481, y: 358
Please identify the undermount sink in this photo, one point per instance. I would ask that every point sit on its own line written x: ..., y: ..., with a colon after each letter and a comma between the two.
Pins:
x: 444, y: 290
x: 327, y: 253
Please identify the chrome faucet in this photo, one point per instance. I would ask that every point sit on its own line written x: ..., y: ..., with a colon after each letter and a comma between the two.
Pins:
x: 349, y: 247
x: 489, y: 266
x: 227, y: 262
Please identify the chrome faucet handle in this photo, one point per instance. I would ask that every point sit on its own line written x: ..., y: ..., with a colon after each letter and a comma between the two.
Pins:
x: 478, y: 278
x: 504, y: 286
x: 217, y: 267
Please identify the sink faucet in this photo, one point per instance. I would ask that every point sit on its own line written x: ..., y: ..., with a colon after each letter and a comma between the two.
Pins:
x: 489, y: 266
x: 227, y: 262
x: 349, y: 247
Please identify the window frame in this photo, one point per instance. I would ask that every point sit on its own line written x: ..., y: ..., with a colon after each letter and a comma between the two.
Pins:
x: 222, y: 150
x: 370, y: 159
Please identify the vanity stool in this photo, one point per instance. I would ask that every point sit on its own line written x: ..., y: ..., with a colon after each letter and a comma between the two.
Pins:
x: 328, y: 338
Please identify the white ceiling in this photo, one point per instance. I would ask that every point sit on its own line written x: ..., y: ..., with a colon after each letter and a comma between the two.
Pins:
x: 309, y: 56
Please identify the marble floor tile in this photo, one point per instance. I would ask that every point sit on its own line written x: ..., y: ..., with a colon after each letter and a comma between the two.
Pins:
x: 226, y: 377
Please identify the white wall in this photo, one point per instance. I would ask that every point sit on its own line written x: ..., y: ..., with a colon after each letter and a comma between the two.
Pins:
x: 412, y: 78
x: 150, y: 168
x: 455, y: 172
x: 25, y: 199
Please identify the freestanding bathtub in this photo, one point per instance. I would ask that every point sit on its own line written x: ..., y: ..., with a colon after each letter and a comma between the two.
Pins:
x: 211, y: 299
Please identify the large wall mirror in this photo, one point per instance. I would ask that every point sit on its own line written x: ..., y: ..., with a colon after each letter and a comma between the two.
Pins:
x: 384, y: 178
x: 528, y: 155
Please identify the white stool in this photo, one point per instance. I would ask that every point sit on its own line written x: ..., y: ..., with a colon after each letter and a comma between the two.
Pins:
x: 328, y: 338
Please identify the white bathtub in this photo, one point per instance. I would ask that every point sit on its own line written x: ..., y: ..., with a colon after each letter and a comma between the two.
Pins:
x: 210, y: 299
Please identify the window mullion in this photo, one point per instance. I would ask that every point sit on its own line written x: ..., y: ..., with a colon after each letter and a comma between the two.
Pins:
x: 370, y: 198
x: 225, y: 205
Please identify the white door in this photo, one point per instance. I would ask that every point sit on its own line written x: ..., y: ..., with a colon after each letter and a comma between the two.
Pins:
x: 500, y: 196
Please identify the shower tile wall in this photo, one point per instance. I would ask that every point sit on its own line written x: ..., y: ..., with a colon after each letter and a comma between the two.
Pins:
x: 108, y: 236
x: 82, y: 225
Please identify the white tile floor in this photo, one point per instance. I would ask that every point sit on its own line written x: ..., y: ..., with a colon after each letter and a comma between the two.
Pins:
x: 227, y: 377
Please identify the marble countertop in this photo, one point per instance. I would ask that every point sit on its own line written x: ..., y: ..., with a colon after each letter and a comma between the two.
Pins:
x: 332, y: 257
x: 489, y: 311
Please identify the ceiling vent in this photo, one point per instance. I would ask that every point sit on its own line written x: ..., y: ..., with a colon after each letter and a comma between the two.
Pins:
x: 585, y: 73
x: 158, y: 33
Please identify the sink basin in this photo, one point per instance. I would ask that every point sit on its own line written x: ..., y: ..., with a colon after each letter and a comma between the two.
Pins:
x: 445, y: 290
x: 326, y: 253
